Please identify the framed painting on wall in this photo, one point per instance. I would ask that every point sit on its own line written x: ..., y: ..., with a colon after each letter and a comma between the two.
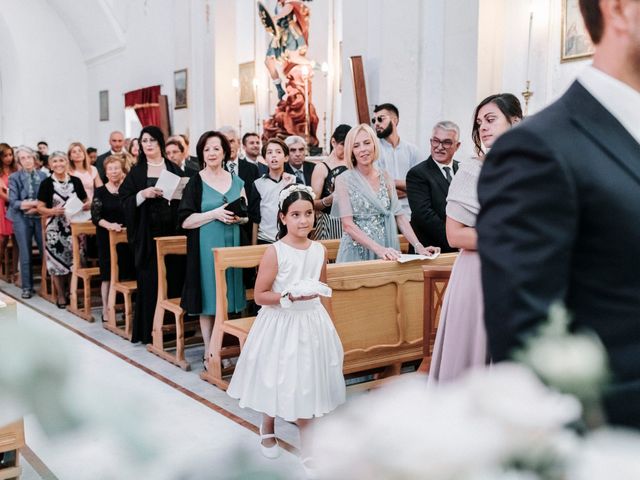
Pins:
x: 246, y: 72
x: 180, y: 87
x: 576, y: 43
x: 104, y: 105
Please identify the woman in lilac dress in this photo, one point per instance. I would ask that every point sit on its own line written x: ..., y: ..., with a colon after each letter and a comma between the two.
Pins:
x: 461, y: 341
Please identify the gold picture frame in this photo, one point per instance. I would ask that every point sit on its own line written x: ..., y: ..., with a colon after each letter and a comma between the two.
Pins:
x: 180, y: 85
x: 575, y: 42
x: 246, y: 73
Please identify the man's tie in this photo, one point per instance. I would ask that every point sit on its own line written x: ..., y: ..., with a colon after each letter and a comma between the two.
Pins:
x: 300, y: 176
x: 447, y: 173
x: 232, y: 168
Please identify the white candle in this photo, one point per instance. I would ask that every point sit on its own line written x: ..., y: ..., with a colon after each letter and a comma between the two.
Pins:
x: 529, y: 44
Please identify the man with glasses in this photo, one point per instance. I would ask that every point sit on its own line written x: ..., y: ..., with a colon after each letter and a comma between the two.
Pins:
x: 396, y: 157
x: 428, y: 185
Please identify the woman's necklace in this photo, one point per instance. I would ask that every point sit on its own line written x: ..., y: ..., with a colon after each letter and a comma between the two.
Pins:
x: 64, y: 181
x: 159, y: 164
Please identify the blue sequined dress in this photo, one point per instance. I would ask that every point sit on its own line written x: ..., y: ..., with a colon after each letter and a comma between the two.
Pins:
x: 373, y: 213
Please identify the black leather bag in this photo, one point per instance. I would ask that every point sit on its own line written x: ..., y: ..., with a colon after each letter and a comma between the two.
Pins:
x: 238, y: 207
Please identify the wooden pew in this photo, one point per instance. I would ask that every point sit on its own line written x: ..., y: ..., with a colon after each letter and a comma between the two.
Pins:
x: 126, y: 288
x: 78, y: 272
x: 436, y: 280
x: 177, y: 245
x: 47, y: 287
x: 11, y: 435
x: 12, y: 440
x: 172, y: 351
x: 377, y: 306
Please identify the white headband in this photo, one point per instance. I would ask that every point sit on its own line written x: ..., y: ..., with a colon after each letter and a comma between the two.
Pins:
x: 296, y: 187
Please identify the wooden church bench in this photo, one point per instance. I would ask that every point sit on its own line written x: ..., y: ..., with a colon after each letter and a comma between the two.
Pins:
x: 377, y: 311
x: 126, y: 288
x: 80, y: 272
x: 436, y: 280
x: 171, y: 351
x: 12, y: 440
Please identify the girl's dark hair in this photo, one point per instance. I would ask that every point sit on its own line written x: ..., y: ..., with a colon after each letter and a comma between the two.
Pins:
x: 277, y: 141
x: 339, y: 134
x: 202, y: 141
x: 157, y: 135
x: 507, y: 103
x: 292, y: 197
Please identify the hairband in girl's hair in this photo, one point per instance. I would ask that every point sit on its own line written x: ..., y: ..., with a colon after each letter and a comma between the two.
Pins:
x: 296, y: 187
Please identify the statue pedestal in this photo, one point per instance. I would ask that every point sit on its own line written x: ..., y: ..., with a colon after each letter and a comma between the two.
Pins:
x: 295, y: 114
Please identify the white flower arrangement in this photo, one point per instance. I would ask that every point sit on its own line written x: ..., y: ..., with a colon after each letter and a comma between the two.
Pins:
x: 495, y: 423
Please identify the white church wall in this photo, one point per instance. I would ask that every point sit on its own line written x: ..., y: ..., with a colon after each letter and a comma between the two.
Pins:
x: 421, y: 56
x: 43, y: 76
x: 549, y: 77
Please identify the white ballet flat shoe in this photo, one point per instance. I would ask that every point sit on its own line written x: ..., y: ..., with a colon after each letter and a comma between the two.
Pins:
x: 269, y: 452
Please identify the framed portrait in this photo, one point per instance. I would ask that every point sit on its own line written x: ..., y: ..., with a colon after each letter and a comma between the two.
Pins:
x: 576, y: 43
x: 104, y: 105
x: 246, y: 73
x: 180, y: 88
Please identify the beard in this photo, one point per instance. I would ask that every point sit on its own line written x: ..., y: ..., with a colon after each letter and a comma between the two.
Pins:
x: 386, y: 132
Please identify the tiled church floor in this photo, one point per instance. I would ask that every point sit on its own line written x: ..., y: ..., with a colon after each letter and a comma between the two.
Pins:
x: 183, y: 421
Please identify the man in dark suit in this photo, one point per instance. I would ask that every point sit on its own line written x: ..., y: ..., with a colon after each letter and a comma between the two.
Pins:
x: 246, y: 170
x: 560, y: 204
x: 116, y: 142
x: 175, y: 151
x: 428, y: 185
x: 297, y: 165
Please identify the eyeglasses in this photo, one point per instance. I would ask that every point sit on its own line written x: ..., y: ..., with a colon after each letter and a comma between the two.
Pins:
x: 379, y: 119
x: 446, y: 144
x: 148, y: 140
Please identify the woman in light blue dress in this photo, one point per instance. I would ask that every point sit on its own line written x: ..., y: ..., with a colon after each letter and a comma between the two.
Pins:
x: 367, y: 205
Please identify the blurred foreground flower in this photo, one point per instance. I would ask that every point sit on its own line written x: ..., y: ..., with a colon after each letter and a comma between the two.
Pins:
x: 33, y: 378
x: 477, y: 426
x: 574, y: 363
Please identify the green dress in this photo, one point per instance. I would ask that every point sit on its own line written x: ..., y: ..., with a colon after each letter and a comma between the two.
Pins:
x: 217, y: 234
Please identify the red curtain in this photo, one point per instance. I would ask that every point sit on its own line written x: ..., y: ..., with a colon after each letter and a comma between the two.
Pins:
x: 145, y: 102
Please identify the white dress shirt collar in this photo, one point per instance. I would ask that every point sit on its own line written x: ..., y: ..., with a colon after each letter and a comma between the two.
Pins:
x: 622, y: 101
x: 442, y: 165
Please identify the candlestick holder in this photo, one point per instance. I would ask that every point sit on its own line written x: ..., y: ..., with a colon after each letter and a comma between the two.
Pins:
x: 527, y: 94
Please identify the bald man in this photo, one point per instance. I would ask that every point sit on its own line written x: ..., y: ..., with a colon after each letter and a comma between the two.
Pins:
x: 116, y: 142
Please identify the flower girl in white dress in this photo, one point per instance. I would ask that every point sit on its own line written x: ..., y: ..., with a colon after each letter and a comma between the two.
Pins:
x: 291, y: 363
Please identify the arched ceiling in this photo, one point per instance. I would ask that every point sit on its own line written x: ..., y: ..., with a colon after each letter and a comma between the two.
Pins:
x: 98, y: 26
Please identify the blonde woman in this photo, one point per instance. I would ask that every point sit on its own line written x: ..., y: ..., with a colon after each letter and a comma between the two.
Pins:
x: 366, y: 202
x: 80, y: 167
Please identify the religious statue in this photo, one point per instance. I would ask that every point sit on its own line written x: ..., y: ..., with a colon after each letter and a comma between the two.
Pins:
x: 295, y: 114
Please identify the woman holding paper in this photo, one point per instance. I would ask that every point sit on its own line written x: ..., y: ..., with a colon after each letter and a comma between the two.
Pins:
x: 210, y: 225
x: 366, y: 202
x: 56, y: 192
x: 148, y: 215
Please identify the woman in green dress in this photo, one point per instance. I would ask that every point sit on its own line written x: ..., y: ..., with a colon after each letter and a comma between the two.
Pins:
x: 208, y: 225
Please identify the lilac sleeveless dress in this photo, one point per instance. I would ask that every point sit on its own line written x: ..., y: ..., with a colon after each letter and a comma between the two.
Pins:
x: 461, y: 341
